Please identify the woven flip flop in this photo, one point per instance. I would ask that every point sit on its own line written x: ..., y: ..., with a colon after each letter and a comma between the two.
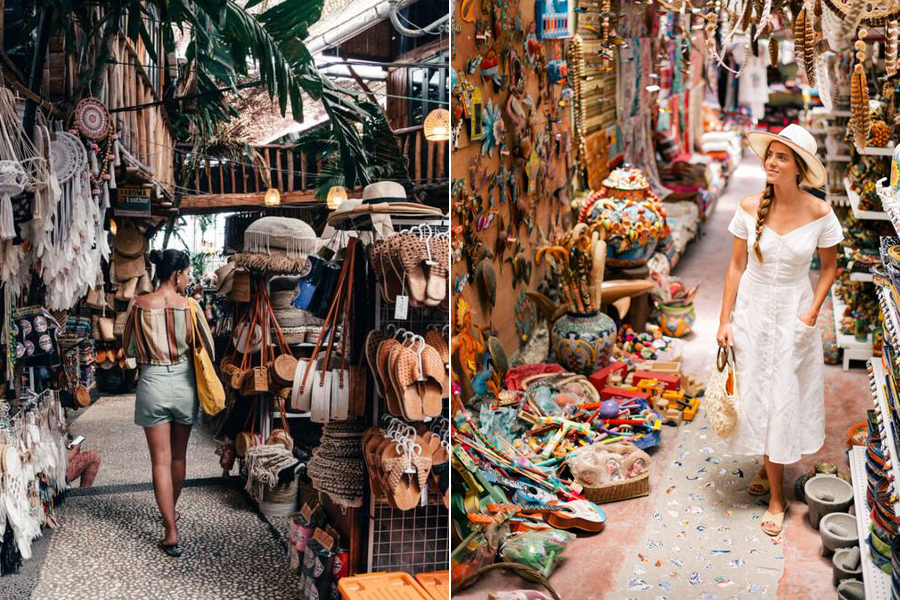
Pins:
x: 393, y: 271
x: 376, y: 259
x: 401, y: 487
x: 776, y: 519
x: 758, y: 482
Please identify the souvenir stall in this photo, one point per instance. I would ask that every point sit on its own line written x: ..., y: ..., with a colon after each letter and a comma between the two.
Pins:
x: 631, y: 154
x: 335, y: 354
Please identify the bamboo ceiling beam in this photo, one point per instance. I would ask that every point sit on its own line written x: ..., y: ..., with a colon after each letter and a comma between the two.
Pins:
x: 210, y: 203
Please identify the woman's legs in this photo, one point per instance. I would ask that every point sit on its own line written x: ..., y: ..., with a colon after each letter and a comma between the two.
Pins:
x: 775, y: 474
x: 179, y: 436
x: 158, y: 441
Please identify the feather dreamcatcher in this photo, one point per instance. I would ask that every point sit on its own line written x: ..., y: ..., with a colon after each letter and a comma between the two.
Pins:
x: 859, y: 95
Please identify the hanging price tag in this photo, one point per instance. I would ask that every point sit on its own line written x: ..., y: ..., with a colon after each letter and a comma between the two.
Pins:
x: 401, y: 308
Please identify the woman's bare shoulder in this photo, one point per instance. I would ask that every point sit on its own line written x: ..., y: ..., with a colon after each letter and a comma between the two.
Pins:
x: 820, y: 207
x: 751, y: 203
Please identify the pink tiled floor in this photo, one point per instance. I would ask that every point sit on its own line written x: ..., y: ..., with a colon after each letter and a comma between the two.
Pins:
x: 593, y: 563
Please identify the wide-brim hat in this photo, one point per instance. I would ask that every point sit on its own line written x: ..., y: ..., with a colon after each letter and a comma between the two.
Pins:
x: 127, y: 268
x: 280, y: 236
x: 225, y: 278
x: 130, y: 242
x: 800, y: 141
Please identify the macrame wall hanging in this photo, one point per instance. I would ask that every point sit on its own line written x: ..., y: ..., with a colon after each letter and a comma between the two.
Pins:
x: 22, y: 168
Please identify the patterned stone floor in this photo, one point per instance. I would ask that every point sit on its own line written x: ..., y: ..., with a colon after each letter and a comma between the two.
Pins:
x: 106, y: 546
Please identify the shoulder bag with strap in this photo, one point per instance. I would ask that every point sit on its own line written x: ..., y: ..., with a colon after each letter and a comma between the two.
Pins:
x: 209, y: 387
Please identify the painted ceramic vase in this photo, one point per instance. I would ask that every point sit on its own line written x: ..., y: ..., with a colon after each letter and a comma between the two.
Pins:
x: 676, y: 321
x: 583, y: 343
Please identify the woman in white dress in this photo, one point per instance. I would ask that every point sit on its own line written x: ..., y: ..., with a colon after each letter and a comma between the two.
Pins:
x: 770, y: 310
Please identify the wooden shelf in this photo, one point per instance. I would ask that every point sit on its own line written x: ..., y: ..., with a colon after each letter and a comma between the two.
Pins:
x: 873, y: 151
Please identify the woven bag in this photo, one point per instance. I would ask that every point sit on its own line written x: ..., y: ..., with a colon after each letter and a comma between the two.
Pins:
x: 722, y: 394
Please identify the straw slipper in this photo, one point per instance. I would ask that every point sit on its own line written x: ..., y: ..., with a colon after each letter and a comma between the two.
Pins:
x: 405, y: 375
x: 777, y: 520
x: 373, y: 341
x: 412, y: 253
x: 370, y: 442
x: 439, y: 478
x: 438, y: 273
x: 393, y: 274
x: 436, y: 341
x: 433, y: 386
x: 402, y: 487
x: 383, y: 359
x: 759, y: 486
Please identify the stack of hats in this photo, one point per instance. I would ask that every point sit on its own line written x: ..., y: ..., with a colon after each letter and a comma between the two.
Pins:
x: 129, y: 264
x: 381, y: 200
x: 277, y: 245
x: 337, y: 467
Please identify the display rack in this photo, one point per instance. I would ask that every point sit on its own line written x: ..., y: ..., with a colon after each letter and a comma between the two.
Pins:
x: 873, y: 151
x: 877, y: 583
x: 887, y: 429
x: 418, y: 540
x: 863, y: 215
x: 853, y: 348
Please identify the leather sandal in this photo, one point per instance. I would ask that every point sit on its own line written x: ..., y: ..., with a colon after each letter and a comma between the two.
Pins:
x: 776, y: 519
x: 758, y: 483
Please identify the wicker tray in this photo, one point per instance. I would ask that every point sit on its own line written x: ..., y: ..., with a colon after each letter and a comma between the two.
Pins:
x: 619, y: 490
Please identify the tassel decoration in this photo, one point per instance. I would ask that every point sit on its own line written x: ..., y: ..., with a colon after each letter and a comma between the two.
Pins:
x: 7, y: 227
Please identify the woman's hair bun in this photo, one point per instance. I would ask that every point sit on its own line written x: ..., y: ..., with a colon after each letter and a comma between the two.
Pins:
x: 156, y: 256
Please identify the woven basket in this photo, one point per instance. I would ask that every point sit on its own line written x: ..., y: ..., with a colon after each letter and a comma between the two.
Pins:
x: 280, y: 501
x: 619, y: 490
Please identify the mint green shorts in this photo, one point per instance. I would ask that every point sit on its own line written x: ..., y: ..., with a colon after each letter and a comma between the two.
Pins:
x: 166, y: 393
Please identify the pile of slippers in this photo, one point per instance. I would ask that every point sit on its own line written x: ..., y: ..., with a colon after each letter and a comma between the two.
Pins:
x: 410, y: 371
x: 405, y: 463
x: 415, y: 264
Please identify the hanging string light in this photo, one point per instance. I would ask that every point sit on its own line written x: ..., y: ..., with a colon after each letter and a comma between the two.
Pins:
x: 437, y: 125
x: 336, y: 196
x: 273, y: 197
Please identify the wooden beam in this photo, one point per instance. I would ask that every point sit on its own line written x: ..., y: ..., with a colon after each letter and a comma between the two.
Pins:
x: 210, y: 203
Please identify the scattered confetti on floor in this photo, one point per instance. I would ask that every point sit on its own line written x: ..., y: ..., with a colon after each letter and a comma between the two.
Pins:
x: 703, y: 540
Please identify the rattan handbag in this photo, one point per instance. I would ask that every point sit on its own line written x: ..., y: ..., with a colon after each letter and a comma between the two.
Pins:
x: 722, y: 394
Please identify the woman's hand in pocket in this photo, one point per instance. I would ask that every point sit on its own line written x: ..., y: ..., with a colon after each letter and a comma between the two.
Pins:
x: 809, y: 319
x: 725, y: 336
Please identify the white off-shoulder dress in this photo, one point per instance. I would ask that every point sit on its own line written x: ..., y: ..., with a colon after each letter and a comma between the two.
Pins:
x: 779, y: 358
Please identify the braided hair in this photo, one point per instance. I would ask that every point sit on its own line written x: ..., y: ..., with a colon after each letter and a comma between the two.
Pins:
x: 768, y: 198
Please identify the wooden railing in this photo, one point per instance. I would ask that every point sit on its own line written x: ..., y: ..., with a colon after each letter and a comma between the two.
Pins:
x: 428, y: 161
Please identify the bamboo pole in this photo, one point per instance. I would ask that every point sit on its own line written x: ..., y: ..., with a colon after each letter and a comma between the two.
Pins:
x: 280, y: 179
x: 441, y: 147
x: 418, y: 160
x: 290, y: 174
x: 429, y: 157
x: 303, y: 171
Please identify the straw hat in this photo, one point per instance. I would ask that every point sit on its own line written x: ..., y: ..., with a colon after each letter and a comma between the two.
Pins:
x: 130, y: 243
x: 800, y: 141
x: 384, y: 191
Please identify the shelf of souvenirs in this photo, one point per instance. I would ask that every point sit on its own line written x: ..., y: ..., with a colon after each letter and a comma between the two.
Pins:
x: 863, y: 215
x: 880, y: 382
x: 861, y: 276
x: 846, y: 341
x: 877, y: 583
x: 891, y: 316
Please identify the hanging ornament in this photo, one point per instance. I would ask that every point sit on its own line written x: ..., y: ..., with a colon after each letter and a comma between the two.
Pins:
x: 890, y: 47
x: 92, y: 119
x: 809, y: 48
x: 859, y: 94
x: 773, y: 48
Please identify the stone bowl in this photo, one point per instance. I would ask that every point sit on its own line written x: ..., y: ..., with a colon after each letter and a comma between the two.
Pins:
x: 851, y: 590
x: 826, y: 494
x: 838, y: 530
x: 839, y: 569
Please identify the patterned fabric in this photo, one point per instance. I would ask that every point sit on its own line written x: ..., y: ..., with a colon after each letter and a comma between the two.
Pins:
x: 84, y: 465
x: 162, y: 336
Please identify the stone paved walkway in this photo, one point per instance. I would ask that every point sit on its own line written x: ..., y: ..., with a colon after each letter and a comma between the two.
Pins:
x: 106, y: 545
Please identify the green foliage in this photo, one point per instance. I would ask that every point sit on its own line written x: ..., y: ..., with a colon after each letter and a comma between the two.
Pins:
x: 228, y: 46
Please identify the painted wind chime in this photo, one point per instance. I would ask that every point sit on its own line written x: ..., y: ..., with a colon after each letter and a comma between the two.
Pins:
x: 70, y: 239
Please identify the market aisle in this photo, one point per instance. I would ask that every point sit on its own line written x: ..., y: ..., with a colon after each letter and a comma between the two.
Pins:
x: 106, y: 545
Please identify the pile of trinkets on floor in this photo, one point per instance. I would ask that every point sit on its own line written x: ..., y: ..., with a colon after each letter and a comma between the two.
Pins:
x: 540, y: 455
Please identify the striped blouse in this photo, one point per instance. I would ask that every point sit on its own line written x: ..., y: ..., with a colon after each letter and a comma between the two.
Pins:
x: 162, y: 336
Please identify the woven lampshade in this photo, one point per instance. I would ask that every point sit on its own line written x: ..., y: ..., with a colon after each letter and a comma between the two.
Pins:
x: 437, y: 125
x: 337, y: 195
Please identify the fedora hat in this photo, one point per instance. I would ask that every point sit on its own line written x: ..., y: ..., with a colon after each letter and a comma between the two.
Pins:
x: 800, y: 141
x: 384, y: 191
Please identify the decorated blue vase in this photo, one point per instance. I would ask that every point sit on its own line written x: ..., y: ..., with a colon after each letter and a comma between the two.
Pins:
x: 583, y: 343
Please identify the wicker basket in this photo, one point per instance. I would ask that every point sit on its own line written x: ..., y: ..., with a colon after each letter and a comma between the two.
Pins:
x: 280, y: 501
x: 619, y: 490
